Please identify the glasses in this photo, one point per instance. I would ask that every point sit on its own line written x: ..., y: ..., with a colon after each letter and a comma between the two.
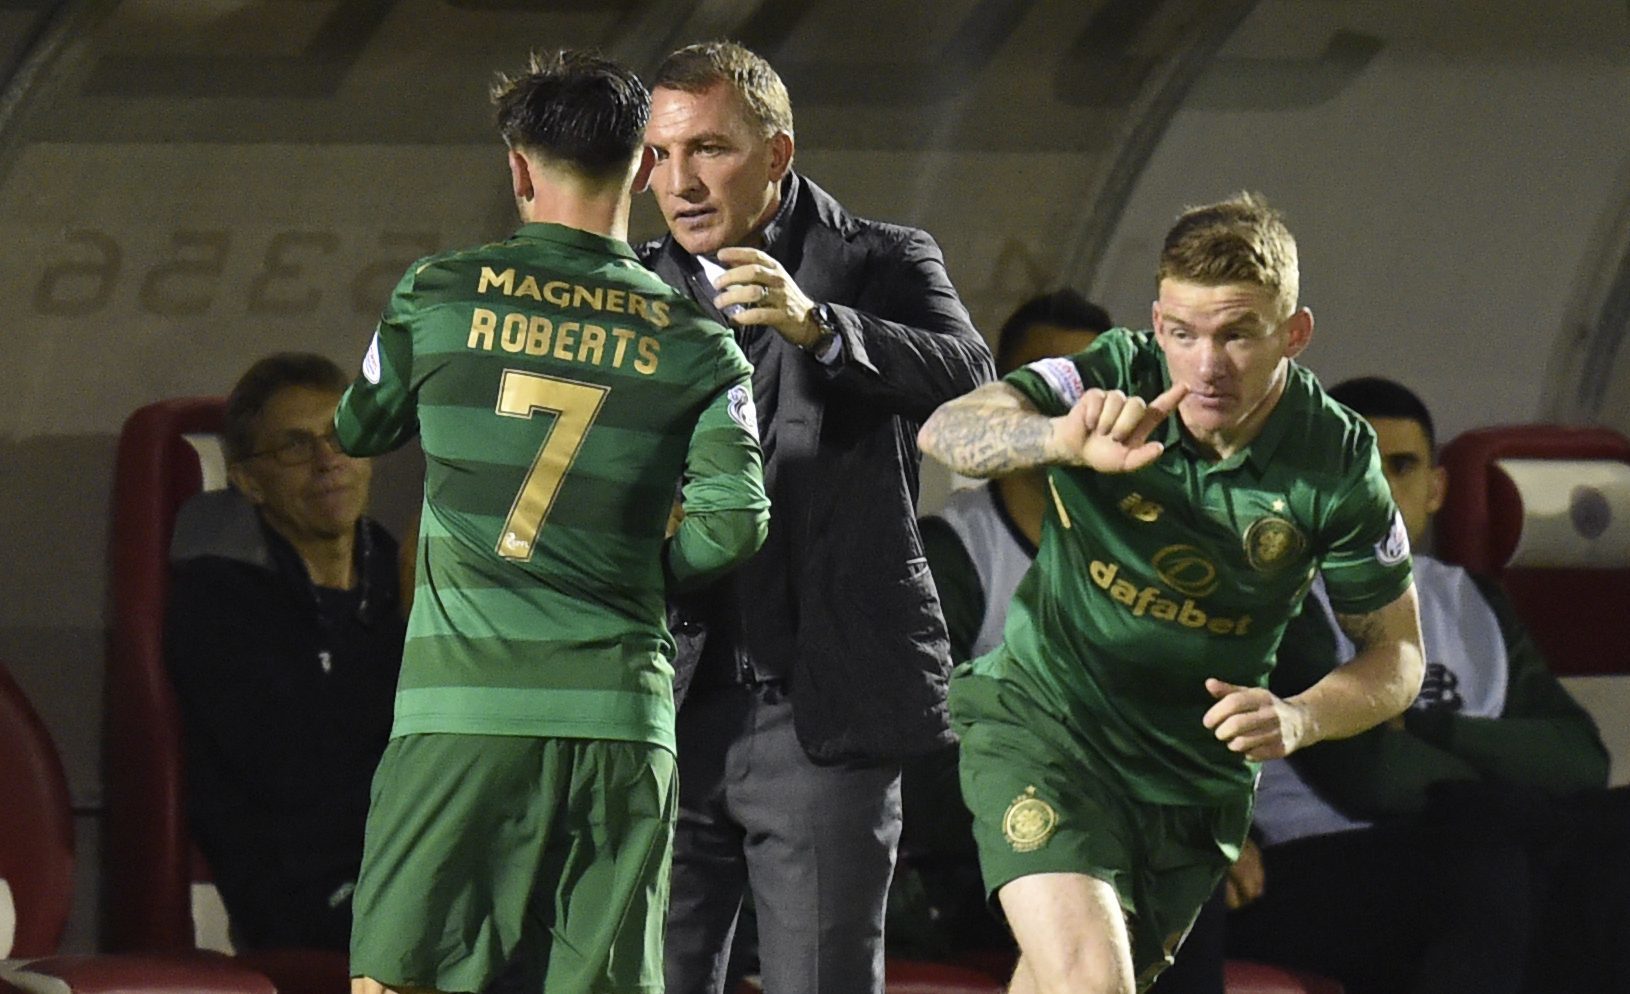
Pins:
x: 301, y: 447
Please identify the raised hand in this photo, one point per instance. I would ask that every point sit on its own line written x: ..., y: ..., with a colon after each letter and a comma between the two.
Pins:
x: 1109, y: 432
x: 768, y: 295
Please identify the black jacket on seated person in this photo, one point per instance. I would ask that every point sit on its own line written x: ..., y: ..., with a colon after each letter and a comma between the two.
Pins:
x: 286, y: 693
x: 840, y: 592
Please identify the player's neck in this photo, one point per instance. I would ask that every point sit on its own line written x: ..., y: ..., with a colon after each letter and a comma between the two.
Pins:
x: 597, y: 211
x: 1024, y: 497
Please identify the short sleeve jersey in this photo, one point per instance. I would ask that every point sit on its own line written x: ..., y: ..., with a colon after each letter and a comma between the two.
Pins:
x: 1147, y: 583
x: 556, y: 385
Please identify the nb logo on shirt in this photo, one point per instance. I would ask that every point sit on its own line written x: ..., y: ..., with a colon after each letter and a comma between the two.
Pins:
x: 1146, y: 511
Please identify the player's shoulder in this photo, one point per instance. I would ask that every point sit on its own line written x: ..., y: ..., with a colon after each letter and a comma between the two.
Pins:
x: 1325, y: 433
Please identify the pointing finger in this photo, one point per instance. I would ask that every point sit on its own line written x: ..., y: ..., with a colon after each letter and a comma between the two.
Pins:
x: 1159, y: 410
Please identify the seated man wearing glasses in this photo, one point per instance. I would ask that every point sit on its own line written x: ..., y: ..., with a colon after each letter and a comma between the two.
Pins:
x: 284, y: 639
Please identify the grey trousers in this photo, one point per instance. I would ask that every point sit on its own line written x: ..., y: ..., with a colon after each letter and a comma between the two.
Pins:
x: 816, y: 845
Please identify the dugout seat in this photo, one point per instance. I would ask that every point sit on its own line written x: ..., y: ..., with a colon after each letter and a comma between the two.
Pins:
x: 156, y: 894
x: 1241, y: 977
x: 36, y: 831
x: 1545, y: 509
x: 37, y: 882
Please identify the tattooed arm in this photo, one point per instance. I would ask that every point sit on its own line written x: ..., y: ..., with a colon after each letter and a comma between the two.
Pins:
x: 995, y: 430
x: 1376, y: 684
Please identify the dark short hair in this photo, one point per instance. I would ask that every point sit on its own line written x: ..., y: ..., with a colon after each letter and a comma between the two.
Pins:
x: 256, y: 387
x: 1065, y: 308
x: 1377, y: 397
x: 575, y: 108
x: 698, y: 67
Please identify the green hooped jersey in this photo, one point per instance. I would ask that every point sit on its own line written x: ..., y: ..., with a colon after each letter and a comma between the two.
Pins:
x: 1147, y: 583
x: 558, y: 389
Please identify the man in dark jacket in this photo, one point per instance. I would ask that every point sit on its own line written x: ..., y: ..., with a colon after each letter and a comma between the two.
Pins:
x: 821, y: 663
x: 284, y: 640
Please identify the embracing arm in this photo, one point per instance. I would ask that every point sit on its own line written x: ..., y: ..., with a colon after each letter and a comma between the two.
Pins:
x: 726, y: 513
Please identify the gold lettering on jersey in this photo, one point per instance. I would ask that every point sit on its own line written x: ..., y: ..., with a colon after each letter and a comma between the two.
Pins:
x: 529, y: 288
x: 1146, y: 511
x: 571, y: 341
x: 482, y: 324
x: 514, y: 334
x: 593, y: 346
x: 560, y: 293
x: 504, y: 281
x: 566, y: 340
x: 649, y: 354
x: 1148, y: 601
x: 623, y: 337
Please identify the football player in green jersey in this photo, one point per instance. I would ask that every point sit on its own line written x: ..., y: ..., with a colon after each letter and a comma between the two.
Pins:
x: 1199, y: 478
x: 523, y: 813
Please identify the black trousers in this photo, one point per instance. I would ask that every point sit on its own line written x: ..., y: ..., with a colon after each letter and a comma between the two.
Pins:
x: 814, y: 844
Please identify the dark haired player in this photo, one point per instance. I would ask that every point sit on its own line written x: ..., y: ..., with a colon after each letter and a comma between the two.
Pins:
x: 523, y: 812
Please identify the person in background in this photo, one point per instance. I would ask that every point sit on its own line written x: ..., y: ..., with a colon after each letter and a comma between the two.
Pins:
x: 283, y: 638
x: 1468, y: 844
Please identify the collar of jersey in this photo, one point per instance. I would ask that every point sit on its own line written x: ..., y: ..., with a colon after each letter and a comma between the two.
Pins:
x: 575, y: 238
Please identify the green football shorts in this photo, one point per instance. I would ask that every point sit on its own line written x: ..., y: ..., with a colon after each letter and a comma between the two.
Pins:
x: 1043, y: 802
x: 544, y: 855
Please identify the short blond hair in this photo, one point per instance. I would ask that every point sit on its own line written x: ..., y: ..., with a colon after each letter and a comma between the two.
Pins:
x: 1238, y: 240
x: 698, y: 67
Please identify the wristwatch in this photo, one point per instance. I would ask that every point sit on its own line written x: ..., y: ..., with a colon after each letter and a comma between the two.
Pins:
x: 827, y: 322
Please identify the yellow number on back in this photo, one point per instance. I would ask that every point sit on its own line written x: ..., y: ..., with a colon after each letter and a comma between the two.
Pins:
x: 575, y: 406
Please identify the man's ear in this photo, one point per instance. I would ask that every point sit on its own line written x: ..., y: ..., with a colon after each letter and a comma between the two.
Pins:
x: 1437, y: 489
x: 245, y: 483
x: 642, y: 172
x: 1300, y: 326
x: 520, y: 176
x: 781, y: 149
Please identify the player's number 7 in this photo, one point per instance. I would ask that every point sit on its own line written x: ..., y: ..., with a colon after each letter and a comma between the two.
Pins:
x: 575, y: 405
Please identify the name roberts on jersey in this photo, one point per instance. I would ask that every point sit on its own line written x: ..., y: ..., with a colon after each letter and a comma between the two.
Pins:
x: 518, y: 331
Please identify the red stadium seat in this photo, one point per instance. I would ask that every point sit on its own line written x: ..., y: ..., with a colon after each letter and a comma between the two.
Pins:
x: 36, y: 827
x: 37, y: 863
x: 1240, y: 977
x: 912, y: 977
x: 195, y: 972
x: 168, y: 452
x: 1483, y: 522
x: 149, y: 859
